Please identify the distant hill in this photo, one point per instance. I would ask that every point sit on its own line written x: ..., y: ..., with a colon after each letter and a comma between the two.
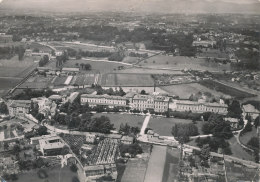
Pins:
x: 146, y: 6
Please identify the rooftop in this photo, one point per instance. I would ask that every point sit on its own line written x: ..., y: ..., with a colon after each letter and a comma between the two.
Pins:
x: 20, y: 103
x: 250, y: 109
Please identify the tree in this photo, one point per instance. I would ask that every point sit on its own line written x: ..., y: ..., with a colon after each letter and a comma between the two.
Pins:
x: 65, y: 150
x: 254, y: 143
x: 3, y: 108
x: 74, y: 168
x: 257, y: 122
x: 183, y: 131
x: 16, y: 149
x: 87, y: 67
x: 132, y: 149
x: 39, y: 117
x: 217, y: 126
x: 21, y: 52
x: 205, y: 152
x: 143, y: 92
x: 234, y: 109
x: 42, y: 130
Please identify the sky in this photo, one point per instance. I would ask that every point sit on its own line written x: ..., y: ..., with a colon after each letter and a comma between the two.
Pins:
x: 164, y: 6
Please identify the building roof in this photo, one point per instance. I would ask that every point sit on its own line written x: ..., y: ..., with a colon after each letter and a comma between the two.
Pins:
x: 127, y: 138
x: 70, y: 69
x: 55, y: 97
x: 20, y: 103
x: 103, y: 96
x: 159, y: 98
x: 46, y: 144
x: 94, y: 168
x: 249, y: 108
x: 188, y: 102
x: 231, y: 120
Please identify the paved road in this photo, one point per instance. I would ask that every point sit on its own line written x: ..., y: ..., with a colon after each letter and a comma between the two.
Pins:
x: 145, y: 124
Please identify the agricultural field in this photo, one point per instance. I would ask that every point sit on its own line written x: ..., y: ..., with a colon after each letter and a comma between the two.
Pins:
x: 116, y: 79
x: 118, y: 119
x: 139, y: 89
x: 184, y: 91
x: 171, y: 165
x: 82, y: 46
x: 237, y: 172
x: 104, y: 153
x: 74, y: 141
x: 163, y: 126
x: 150, y: 71
x: 211, y: 84
x: 59, y: 80
x: 85, y: 79
x: 10, y: 131
x: 100, y: 66
x: 54, y: 174
x: 181, y: 62
x: 37, y: 82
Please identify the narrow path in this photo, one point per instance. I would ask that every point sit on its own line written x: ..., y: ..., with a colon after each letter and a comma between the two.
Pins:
x: 145, y: 124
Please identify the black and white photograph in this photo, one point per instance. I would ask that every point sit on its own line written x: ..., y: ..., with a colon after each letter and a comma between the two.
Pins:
x: 129, y: 90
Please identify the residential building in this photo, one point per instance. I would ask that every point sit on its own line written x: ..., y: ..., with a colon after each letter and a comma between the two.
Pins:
x: 202, y: 43
x: 105, y: 100
x: 127, y: 140
x: 72, y: 97
x: 97, y: 171
x: 19, y: 107
x: 46, y: 106
x: 51, y: 145
x: 198, y: 107
x: 69, y: 70
x: 250, y: 110
x: 233, y: 122
x: 157, y: 103
x: 5, y: 38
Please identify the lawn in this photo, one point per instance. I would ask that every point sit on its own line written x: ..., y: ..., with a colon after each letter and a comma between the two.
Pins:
x: 184, y: 91
x: 118, y: 119
x: 163, y: 126
x: 55, y: 174
x: 182, y: 62
x: 127, y: 79
x: 248, y: 135
x: 238, y: 151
